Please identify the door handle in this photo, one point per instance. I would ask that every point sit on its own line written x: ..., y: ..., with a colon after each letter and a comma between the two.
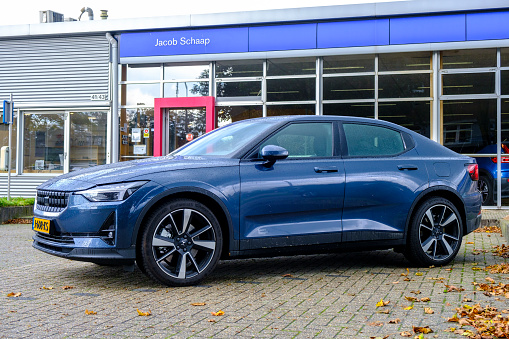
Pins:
x: 407, y: 167
x: 326, y: 169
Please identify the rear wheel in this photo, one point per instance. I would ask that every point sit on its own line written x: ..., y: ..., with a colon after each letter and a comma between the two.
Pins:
x: 181, y: 243
x: 436, y: 233
x: 486, y: 188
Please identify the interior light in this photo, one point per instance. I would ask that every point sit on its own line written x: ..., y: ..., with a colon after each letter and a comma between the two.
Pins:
x: 283, y: 92
x: 458, y: 102
x: 458, y: 63
x: 459, y: 86
x: 352, y: 90
x: 417, y: 65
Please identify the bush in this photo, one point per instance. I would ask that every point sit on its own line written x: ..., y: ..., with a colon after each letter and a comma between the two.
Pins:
x: 16, y: 202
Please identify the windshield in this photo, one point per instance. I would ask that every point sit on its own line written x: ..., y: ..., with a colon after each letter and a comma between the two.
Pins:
x: 225, y: 141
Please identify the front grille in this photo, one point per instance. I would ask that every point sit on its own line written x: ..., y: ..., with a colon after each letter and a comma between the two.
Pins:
x: 56, y: 238
x: 52, y: 201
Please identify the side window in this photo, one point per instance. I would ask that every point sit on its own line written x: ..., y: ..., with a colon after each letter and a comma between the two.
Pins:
x: 369, y: 140
x: 304, y: 140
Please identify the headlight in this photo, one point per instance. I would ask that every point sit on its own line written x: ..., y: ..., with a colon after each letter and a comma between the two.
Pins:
x: 112, y: 192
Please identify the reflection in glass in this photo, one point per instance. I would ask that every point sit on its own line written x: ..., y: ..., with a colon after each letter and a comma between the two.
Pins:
x: 404, y: 85
x: 143, y: 73
x: 277, y: 110
x: 228, y: 114
x: 239, y: 68
x: 404, y: 61
x: 186, y: 72
x: 186, y: 89
x: 141, y: 94
x: 505, y: 82
x: 43, y: 147
x: 414, y: 115
x: 469, y: 125
x: 293, y: 66
x: 355, y: 87
x: 4, y: 141
x: 185, y: 125
x: 505, y: 121
x: 469, y: 58
x: 133, y: 140
x: 504, y: 57
x: 239, y: 89
x: 358, y: 109
x: 291, y: 89
x: 468, y: 83
x: 88, y: 139
x: 348, y: 64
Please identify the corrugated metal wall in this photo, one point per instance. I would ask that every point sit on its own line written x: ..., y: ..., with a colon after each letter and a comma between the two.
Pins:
x: 59, y: 69
x: 22, y: 185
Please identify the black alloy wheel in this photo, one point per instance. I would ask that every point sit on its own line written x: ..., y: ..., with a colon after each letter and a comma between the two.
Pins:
x: 436, y: 232
x: 181, y: 243
x: 485, y: 186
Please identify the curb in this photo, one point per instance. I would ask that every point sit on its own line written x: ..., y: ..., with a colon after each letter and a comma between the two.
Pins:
x: 13, y: 212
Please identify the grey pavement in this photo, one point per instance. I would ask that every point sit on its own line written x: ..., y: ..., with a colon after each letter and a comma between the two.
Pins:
x: 323, y: 296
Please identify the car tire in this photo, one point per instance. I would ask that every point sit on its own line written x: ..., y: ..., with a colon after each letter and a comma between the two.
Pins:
x: 435, y: 233
x: 485, y: 185
x: 180, y: 244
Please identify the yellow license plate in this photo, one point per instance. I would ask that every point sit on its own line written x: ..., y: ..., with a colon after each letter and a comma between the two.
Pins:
x: 41, y: 225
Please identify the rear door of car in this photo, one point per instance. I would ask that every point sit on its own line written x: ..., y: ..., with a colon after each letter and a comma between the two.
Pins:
x: 298, y: 200
x: 384, y: 175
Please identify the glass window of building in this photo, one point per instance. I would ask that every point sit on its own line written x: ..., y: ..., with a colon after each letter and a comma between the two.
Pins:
x: 187, y: 72
x: 135, y: 142
x: 244, y: 89
x: 4, y: 141
x: 139, y: 94
x: 293, y: 66
x: 468, y: 83
x: 291, y: 89
x: 141, y: 72
x: 404, y: 85
x: 469, y: 58
x: 349, y: 87
x: 239, y: 69
x: 227, y: 114
x: 88, y: 139
x: 43, y: 145
x: 348, y: 64
x: 414, y: 115
x: 358, y: 109
x: 293, y: 109
x: 186, y: 89
x: 505, y: 82
x: 504, y: 57
x: 505, y: 122
x: 185, y: 125
x: 413, y: 61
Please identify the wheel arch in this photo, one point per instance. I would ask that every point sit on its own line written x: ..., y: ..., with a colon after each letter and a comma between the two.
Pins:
x: 210, y: 200
x: 442, y: 192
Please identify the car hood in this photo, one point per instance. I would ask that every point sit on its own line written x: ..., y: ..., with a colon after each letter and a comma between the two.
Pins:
x: 129, y: 171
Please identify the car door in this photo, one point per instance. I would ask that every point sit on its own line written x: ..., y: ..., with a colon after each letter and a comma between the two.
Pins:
x: 298, y: 200
x: 384, y: 175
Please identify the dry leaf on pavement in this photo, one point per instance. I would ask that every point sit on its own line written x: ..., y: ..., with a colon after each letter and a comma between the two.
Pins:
x: 424, y: 329
x: 382, y: 303
x: 87, y: 312
x: 218, y: 313
x: 198, y: 304
x: 428, y: 310
x: 144, y: 314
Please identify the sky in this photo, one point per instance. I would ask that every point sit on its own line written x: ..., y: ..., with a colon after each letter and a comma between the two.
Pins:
x: 27, y: 11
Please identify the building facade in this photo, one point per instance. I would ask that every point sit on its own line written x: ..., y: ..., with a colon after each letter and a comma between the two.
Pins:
x: 90, y: 93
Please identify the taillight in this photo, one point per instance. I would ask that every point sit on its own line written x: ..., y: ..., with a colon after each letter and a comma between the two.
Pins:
x: 473, y: 170
x: 503, y: 160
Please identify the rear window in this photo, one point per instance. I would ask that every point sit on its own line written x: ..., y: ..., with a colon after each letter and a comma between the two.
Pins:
x: 369, y: 140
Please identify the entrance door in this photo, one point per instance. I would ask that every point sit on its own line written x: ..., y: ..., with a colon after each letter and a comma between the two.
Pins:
x: 183, y: 125
x: 180, y: 120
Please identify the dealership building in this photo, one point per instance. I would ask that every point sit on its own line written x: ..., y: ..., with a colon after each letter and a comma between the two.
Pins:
x: 87, y: 93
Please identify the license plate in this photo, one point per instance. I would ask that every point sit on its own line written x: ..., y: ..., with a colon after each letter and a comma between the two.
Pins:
x: 41, y: 225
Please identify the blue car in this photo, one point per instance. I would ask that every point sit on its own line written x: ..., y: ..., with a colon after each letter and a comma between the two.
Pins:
x: 265, y: 187
x: 488, y: 174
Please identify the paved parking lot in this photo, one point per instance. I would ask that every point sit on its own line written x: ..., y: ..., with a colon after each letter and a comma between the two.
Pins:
x: 324, y: 296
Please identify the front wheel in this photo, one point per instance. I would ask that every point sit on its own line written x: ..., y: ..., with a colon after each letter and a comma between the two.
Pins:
x: 435, y: 234
x: 181, y: 243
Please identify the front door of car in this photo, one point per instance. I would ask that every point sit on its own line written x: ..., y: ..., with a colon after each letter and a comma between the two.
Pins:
x: 298, y: 200
x: 384, y: 175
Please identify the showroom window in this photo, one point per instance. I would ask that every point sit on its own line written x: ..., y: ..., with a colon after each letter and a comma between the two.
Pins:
x: 4, y: 141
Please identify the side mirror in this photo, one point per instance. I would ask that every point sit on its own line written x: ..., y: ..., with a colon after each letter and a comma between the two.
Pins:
x: 272, y: 153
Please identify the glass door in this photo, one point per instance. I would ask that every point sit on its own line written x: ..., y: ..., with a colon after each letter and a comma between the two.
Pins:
x: 184, y: 125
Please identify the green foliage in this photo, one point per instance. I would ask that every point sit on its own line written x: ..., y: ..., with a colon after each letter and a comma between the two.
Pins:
x: 16, y: 202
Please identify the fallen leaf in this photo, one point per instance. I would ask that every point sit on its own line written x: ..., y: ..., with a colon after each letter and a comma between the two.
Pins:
x: 87, y: 312
x: 287, y: 275
x: 448, y: 269
x: 416, y: 292
x: 411, y: 298
x: 405, y: 334
x: 395, y: 321
x: 470, y: 242
x: 407, y: 279
x: 198, y: 304
x: 490, y: 280
x: 476, y: 269
x: 211, y: 321
x: 382, y: 303
x: 46, y: 288
x: 424, y: 329
x: 14, y: 295
x: 418, y: 273
x: 383, y: 311
x: 218, y: 313
x: 467, y: 300
x: 453, y: 319
x: 408, y: 308
x: 428, y: 310
x: 144, y: 314
x: 376, y: 323
x: 67, y: 287
x: 425, y: 299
